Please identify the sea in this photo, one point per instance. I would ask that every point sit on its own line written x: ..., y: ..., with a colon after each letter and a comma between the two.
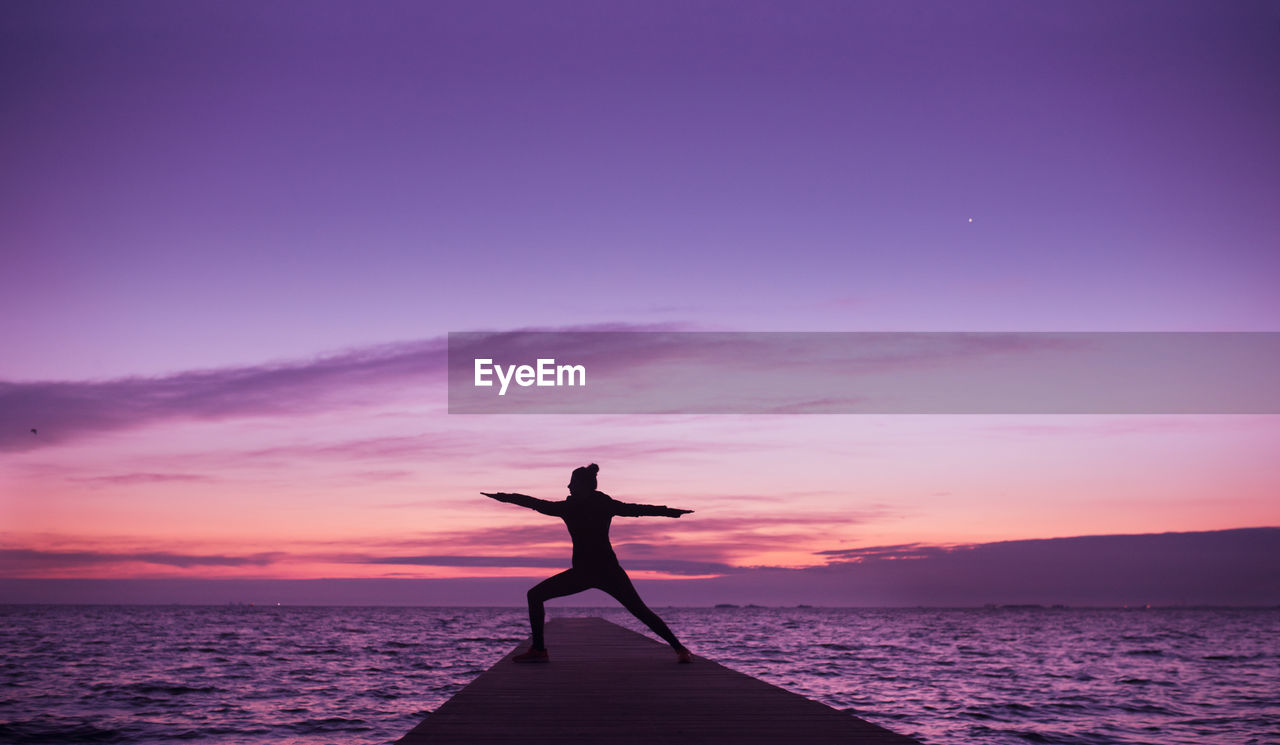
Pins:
x: 253, y: 675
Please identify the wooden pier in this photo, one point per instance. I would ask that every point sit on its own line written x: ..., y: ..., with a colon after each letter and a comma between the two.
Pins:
x: 607, y: 684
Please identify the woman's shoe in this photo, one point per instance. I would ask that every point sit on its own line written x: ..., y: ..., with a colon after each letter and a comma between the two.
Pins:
x: 684, y: 656
x: 533, y: 655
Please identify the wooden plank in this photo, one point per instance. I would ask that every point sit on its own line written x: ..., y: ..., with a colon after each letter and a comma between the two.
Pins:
x: 607, y: 684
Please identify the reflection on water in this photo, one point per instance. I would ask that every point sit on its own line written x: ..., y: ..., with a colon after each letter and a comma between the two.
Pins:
x: 253, y: 675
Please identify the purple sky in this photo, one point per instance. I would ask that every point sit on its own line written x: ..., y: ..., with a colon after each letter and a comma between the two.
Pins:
x: 235, y: 234
x: 205, y: 184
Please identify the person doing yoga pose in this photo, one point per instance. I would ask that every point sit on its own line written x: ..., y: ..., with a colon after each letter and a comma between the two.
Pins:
x: 587, y: 513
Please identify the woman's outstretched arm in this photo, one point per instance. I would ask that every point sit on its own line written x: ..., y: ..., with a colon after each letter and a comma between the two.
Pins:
x: 524, y: 500
x: 626, y: 509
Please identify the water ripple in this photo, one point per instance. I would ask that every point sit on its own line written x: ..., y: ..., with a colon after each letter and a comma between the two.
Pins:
x: 306, y: 676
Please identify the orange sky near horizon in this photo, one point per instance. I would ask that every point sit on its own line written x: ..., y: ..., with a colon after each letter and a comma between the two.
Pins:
x: 238, y: 236
x: 390, y: 488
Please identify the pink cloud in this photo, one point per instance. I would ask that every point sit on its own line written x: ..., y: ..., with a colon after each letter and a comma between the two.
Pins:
x: 18, y: 561
x: 142, y: 478
x: 1228, y: 567
x: 61, y: 411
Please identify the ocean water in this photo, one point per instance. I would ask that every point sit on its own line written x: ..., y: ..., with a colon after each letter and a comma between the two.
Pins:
x: 307, y: 676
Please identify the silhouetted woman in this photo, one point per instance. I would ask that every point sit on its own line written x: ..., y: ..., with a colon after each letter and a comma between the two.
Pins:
x: 587, y: 513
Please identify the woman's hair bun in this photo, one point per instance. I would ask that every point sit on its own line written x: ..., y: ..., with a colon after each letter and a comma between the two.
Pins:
x: 593, y: 468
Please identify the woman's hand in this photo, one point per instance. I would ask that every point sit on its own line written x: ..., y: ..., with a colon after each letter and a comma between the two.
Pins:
x: 673, y: 512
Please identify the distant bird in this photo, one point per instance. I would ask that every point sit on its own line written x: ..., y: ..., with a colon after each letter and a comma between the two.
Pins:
x: 33, y: 431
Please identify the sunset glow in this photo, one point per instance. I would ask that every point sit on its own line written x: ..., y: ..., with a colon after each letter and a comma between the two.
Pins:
x: 233, y: 252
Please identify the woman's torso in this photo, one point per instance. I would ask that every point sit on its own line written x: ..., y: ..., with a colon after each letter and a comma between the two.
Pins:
x: 588, y: 518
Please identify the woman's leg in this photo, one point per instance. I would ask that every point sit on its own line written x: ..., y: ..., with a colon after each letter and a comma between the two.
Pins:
x: 619, y: 586
x: 567, y: 582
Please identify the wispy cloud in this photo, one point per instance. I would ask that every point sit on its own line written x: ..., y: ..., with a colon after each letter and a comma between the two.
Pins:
x: 1230, y: 567
x: 128, y: 479
x: 690, y: 546
x: 60, y: 411
x: 64, y: 410
x: 14, y: 561
x: 720, y: 541
x: 669, y: 566
x: 392, y: 447
x: 888, y: 553
x: 386, y: 474
x: 19, y: 561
